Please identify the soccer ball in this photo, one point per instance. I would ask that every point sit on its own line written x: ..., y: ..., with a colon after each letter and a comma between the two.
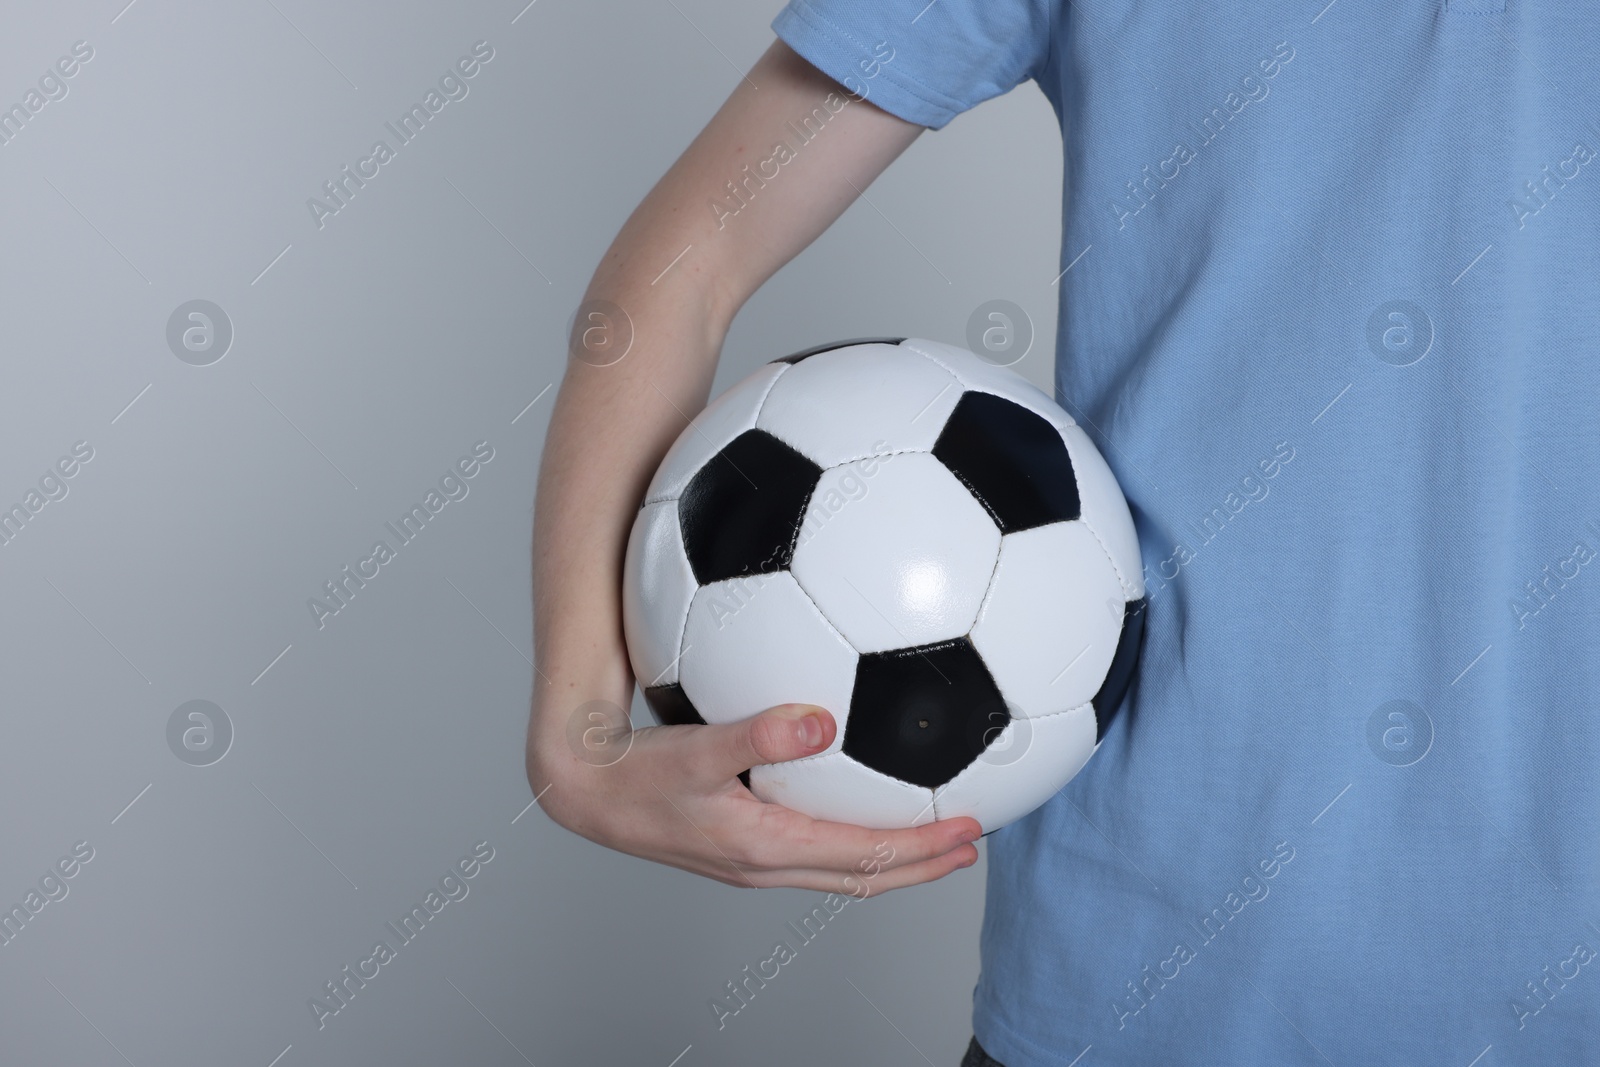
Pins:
x: 919, y: 541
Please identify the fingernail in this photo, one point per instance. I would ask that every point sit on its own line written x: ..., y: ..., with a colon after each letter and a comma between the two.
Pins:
x: 810, y: 731
x: 968, y: 836
x: 970, y: 862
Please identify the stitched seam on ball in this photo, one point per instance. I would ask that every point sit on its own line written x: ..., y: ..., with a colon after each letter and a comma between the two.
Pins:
x: 1121, y: 579
x: 806, y: 759
x: 994, y: 513
x: 988, y: 592
x: 676, y: 666
x: 755, y: 423
x: 754, y: 418
x: 972, y: 387
x: 877, y: 455
x: 783, y: 368
x: 825, y: 620
x: 925, y: 354
x: 1015, y: 399
x: 959, y: 384
x: 830, y: 750
x: 1064, y: 711
x: 800, y: 524
x: 805, y: 509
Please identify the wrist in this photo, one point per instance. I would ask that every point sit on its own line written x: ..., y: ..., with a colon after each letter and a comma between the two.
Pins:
x: 567, y: 708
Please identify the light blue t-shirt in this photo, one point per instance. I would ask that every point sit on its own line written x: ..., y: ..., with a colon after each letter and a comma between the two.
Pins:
x: 1331, y: 316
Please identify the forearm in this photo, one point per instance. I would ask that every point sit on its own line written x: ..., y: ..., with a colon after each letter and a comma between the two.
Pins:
x: 610, y: 426
x: 679, y: 270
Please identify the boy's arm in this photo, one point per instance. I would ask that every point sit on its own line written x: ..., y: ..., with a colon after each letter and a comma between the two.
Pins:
x: 680, y: 273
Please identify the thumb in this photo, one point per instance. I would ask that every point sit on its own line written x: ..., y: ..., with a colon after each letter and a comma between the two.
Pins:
x: 780, y: 733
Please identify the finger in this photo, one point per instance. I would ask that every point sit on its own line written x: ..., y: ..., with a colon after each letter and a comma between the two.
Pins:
x: 861, y: 886
x: 782, y: 733
x: 784, y: 837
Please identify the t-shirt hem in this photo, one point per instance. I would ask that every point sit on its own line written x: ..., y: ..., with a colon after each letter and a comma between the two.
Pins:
x: 1009, y: 1047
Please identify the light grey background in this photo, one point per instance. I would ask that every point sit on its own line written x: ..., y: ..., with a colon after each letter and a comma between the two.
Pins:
x: 368, y: 355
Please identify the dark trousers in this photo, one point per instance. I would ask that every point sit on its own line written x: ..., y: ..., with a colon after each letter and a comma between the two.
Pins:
x: 976, y: 1057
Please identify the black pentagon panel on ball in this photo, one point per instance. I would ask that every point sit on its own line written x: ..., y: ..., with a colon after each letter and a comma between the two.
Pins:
x: 672, y: 705
x: 740, y: 514
x: 1011, y: 459
x: 923, y: 714
x: 796, y: 357
x: 1120, y: 675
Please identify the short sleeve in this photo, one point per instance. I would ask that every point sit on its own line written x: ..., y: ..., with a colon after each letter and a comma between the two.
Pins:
x: 924, y: 62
